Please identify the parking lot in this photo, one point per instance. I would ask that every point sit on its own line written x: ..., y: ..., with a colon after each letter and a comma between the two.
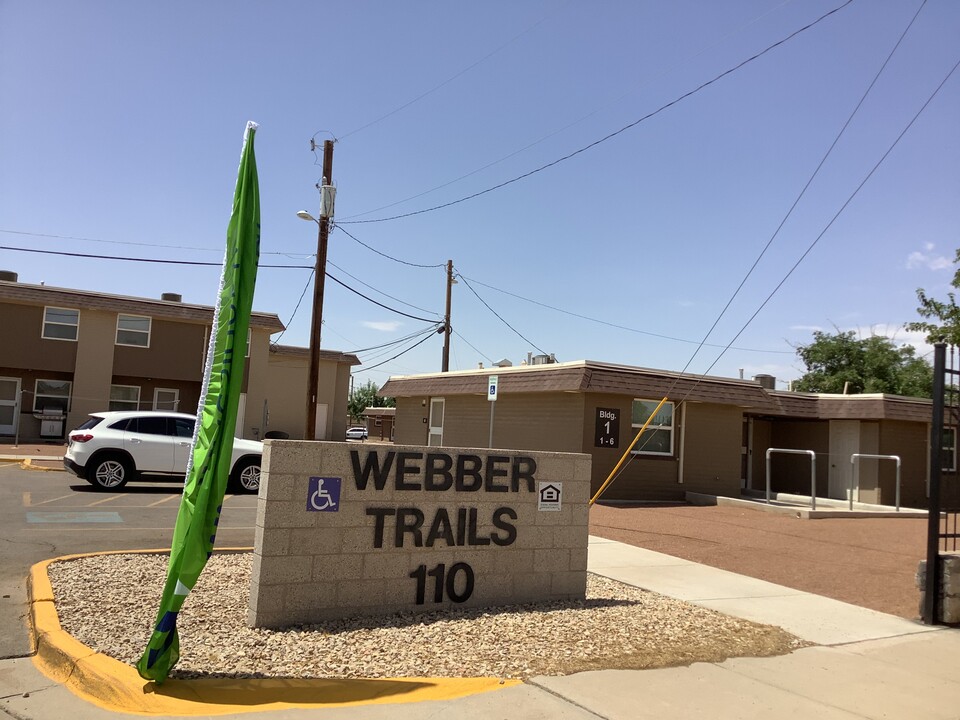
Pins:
x: 47, y: 514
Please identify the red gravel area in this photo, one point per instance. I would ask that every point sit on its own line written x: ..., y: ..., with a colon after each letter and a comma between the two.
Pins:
x: 869, y: 562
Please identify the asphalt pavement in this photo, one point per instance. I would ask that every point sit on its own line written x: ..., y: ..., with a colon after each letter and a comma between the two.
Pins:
x: 863, y: 664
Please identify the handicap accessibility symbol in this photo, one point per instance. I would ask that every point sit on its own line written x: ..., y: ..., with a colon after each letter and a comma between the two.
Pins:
x: 323, y: 494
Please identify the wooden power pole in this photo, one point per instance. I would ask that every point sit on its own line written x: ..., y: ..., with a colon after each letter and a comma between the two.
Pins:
x: 446, y: 320
x: 320, y: 275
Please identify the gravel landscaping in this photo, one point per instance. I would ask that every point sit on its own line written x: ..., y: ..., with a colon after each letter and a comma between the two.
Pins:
x: 109, y: 602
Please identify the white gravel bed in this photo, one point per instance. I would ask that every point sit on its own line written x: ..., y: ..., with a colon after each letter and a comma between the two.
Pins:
x: 109, y: 603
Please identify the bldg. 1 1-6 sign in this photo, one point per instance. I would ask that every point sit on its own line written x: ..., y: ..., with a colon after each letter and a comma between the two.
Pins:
x: 608, y: 428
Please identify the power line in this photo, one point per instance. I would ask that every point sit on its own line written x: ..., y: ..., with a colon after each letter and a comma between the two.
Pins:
x: 427, y: 337
x: 383, y: 254
x: 452, y: 78
x: 491, y: 360
x: 615, y: 325
x: 354, y: 277
x: 576, y: 122
x: 813, y: 244
x: 838, y: 213
x: 499, y: 317
x: 274, y: 343
x: 610, y: 135
x: 143, y: 260
x: 130, y: 242
x: 380, y: 304
x: 803, y: 191
x: 412, y: 335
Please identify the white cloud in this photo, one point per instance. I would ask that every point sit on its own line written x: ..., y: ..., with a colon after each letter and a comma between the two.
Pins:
x: 390, y: 326
x: 928, y: 259
x: 806, y: 328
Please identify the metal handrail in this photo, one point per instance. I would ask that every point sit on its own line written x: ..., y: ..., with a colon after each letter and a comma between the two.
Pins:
x: 813, y: 472
x: 856, y: 473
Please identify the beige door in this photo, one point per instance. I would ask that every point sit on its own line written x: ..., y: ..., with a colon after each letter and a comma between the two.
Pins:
x: 844, y: 442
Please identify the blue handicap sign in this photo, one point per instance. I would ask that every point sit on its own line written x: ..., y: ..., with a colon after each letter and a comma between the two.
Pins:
x: 323, y: 494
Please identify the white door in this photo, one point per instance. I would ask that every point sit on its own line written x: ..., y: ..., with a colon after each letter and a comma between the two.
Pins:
x: 166, y: 399
x: 844, y: 442
x: 435, y: 432
x: 151, y: 442
x: 9, y: 405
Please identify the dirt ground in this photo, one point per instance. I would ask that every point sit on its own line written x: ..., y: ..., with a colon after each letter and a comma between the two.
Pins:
x: 867, y: 562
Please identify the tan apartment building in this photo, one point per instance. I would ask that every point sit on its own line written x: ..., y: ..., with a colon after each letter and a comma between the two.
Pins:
x: 66, y: 353
x: 710, y: 436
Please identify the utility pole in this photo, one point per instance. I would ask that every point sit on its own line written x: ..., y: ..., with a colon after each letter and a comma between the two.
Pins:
x: 445, y: 367
x: 320, y: 274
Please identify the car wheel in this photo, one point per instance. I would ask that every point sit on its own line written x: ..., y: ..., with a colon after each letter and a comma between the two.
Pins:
x: 245, y: 477
x: 109, y: 472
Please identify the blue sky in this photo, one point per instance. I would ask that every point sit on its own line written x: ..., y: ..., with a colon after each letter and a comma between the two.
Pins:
x: 122, y: 125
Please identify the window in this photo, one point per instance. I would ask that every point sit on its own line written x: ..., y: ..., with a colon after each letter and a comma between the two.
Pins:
x: 657, y: 439
x: 133, y: 330
x: 149, y: 425
x: 52, y: 396
x: 183, y: 427
x: 166, y: 399
x: 60, y: 323
x: 948, y: 456
x: 124, y: 397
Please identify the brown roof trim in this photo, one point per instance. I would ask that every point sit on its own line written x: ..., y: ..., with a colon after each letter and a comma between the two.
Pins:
x: 583, y: 376
x: 22, y: 293
x: 379, y: 412
x: 333, y: 355
x: 597, y: 377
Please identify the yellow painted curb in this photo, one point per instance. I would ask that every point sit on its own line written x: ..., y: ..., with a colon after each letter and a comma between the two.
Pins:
x: 115, y: 686
x: 27, y: 464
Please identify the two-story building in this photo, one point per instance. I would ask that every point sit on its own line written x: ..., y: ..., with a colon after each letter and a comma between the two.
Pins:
x: 65, y: 353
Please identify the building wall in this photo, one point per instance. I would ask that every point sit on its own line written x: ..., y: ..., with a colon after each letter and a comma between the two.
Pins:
x: 911, y: 441
x: 256, y: 371
x: 177, y: 351
x: 526, y: 421
x: 31, y: 351
x: 338, y: 394
x: 711, y: 459
x: 791, y: 473
x: 93, y: 372
x: 286, y: 393
x: 759, y: 442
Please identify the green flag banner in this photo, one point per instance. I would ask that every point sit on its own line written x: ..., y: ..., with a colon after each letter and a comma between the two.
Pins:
x: 209, y: 464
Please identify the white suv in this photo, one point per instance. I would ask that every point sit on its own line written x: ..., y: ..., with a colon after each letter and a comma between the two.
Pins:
x: 112, y: 448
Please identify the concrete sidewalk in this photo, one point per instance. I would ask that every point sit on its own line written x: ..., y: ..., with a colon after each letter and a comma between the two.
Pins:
x: 866, y: 665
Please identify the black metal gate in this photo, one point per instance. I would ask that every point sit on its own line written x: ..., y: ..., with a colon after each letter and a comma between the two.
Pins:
x: 944, y: 506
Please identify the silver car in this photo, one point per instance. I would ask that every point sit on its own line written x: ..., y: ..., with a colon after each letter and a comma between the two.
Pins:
x: 112, y: 448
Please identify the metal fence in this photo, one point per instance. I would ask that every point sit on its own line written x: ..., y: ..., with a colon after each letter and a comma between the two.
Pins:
x: 943, y: 529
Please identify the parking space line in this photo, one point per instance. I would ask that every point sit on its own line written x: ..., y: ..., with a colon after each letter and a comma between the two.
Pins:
x: 28, y: 500
x: 162, y: 500
x: 104, y: 500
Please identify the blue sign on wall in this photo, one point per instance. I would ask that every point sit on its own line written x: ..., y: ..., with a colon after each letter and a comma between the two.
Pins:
x: 323, y: 494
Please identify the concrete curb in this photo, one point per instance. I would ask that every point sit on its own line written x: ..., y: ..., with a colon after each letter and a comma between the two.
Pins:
x: 117, y: 687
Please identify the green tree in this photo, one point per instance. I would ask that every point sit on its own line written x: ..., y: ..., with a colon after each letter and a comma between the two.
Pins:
x: 946, y: 313
x: 366, y: 396
x: 863, y: 365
